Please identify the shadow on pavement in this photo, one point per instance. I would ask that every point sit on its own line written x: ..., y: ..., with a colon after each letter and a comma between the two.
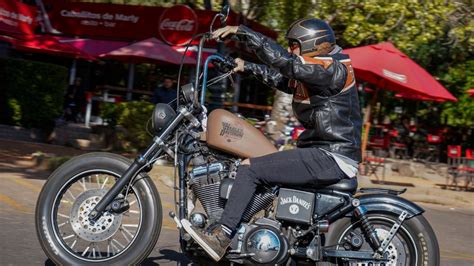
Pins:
x: 25, y: 172
x: 168, y: 255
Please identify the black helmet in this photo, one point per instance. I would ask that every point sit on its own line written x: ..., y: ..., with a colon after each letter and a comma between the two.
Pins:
x: 310, y: 33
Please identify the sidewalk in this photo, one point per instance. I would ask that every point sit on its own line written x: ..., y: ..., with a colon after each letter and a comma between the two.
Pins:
x: 425, y: 191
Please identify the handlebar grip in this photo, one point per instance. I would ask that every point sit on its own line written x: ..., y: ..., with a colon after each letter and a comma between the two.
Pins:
x: 225, y: 65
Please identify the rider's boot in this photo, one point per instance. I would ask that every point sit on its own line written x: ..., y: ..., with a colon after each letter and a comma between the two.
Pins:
x: 215, y: 242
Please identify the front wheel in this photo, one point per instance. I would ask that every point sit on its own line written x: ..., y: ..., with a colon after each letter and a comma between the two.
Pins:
x: 72, y: 191
x: 414, y: 244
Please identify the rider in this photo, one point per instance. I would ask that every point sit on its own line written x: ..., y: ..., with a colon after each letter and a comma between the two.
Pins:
x: 325, y: 101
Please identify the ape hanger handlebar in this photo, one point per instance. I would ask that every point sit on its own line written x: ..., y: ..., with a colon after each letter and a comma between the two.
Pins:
x: 225, y: 61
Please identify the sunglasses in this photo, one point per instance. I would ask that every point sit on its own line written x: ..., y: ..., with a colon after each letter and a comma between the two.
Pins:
x: 293, y: 44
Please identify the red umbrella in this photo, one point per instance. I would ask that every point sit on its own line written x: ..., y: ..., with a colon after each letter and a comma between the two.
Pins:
x: 418, y: 97
x: 93, y: 47
x: 471, y: 92
x: 150, y: 50
x: 388, y: 68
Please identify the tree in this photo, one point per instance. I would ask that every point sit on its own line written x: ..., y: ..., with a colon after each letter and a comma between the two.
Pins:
x: 461, y: 77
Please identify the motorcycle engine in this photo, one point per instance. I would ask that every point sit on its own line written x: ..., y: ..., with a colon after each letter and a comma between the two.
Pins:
x: 261, y: 242
x: 211, y: 184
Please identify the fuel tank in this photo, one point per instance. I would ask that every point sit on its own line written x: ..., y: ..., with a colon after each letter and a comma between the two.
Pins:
x: 227, y: 132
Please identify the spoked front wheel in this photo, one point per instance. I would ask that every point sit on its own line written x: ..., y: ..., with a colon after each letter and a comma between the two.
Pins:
x: 124, y: 236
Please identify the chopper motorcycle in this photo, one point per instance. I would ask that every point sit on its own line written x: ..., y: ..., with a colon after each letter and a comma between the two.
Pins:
x: 103, y: 209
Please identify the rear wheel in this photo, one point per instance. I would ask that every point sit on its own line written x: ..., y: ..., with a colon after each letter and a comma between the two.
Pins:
x: 70, y: 194
x: 414, y: 244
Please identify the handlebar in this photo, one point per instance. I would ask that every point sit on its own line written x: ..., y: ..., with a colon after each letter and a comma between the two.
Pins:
x: 204, y: 77
x: 226, y: 65
x: 226, y: 62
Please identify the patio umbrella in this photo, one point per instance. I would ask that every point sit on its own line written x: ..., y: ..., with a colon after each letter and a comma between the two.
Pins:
x: 471, y: 92
x: 192, y: 52
x: 388, y: 68
x: 150, y: 50
x: 91, y: 46
x: 418, y: 97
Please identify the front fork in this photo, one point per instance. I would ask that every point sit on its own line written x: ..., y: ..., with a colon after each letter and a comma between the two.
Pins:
x: 152, y: 152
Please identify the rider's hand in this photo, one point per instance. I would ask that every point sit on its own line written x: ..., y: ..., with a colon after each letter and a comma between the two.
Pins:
x: 224, y: 32
x: 240, y: 65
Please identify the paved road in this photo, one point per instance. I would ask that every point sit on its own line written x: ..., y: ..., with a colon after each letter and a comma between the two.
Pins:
x: 19, y: 246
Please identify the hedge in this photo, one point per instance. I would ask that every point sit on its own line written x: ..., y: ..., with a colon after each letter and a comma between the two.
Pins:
x: 31, y: 93
x: 133, y: 117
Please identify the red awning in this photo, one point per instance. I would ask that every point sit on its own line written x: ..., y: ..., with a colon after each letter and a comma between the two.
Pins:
x: 17, y: 18
x: 387, y: 67
x: 47, y: 45
x: 9, y: 30
x: 150, y: 50
x: 92, y: 47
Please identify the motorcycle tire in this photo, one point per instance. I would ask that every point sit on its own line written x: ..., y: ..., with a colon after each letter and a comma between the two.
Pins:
x: 144, y: 189
x: 416, y: 233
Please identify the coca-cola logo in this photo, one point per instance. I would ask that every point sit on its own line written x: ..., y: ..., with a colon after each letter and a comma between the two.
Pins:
x: 178, y: 24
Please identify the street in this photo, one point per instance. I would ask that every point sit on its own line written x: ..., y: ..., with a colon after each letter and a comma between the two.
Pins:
x: 19, y: 245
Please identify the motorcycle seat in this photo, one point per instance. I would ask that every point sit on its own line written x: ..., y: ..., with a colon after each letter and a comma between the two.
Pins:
x: 345, y: 185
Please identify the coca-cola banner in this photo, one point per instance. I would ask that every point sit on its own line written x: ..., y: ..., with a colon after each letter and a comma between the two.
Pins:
x: 17, y: 18
x: 174, y: 25
x: 178, y: 24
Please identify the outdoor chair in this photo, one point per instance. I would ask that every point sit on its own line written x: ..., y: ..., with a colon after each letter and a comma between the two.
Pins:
x: 372, y: 164
x: 466, y: 168
x: 459, y: 168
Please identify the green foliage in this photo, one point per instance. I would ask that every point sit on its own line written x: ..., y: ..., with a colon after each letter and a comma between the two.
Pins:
x: 31, y: 93
x: 55, y: 162
x: 15, y: 111
x: 133, y: 117
x: 109, y: 113
x: 460, y: 77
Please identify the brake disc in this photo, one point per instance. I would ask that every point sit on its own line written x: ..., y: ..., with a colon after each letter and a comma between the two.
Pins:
x: 104, y: 228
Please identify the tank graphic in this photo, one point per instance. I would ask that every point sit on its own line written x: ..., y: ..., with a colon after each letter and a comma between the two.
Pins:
x: 228, y: 133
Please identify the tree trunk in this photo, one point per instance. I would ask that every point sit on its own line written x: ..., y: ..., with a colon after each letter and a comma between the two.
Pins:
x: 207, y: 5
x: 281, y: 111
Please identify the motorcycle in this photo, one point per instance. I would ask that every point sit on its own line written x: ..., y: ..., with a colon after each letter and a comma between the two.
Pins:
x: 103, y: 209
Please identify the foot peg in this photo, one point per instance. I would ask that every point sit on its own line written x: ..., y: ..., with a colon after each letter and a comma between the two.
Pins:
x: 175, y: 219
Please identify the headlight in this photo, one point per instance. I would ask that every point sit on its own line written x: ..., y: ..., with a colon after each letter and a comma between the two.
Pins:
x: 162, y: 115
x: 188, y: 92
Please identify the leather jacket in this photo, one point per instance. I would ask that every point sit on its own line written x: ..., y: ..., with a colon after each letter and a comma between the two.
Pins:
x: 325, y: 99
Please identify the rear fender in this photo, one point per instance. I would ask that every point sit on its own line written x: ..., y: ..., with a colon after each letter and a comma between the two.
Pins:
x: 387, y: 203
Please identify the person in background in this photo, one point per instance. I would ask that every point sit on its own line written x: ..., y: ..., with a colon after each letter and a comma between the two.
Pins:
x: 165, y: 93
x: 73, y: 100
